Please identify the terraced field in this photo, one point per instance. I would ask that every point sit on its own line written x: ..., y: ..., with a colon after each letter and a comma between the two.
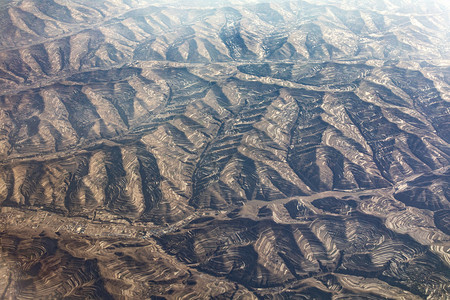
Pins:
x: 196, y: 149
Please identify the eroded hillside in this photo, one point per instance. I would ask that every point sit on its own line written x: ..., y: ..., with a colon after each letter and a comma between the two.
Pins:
x: 268, y: 150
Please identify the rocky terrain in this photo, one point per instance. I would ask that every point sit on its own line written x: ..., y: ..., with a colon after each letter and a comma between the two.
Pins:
x: 229, y: 150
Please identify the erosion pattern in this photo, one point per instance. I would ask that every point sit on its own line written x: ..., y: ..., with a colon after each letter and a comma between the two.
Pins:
x: 196, y: 149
